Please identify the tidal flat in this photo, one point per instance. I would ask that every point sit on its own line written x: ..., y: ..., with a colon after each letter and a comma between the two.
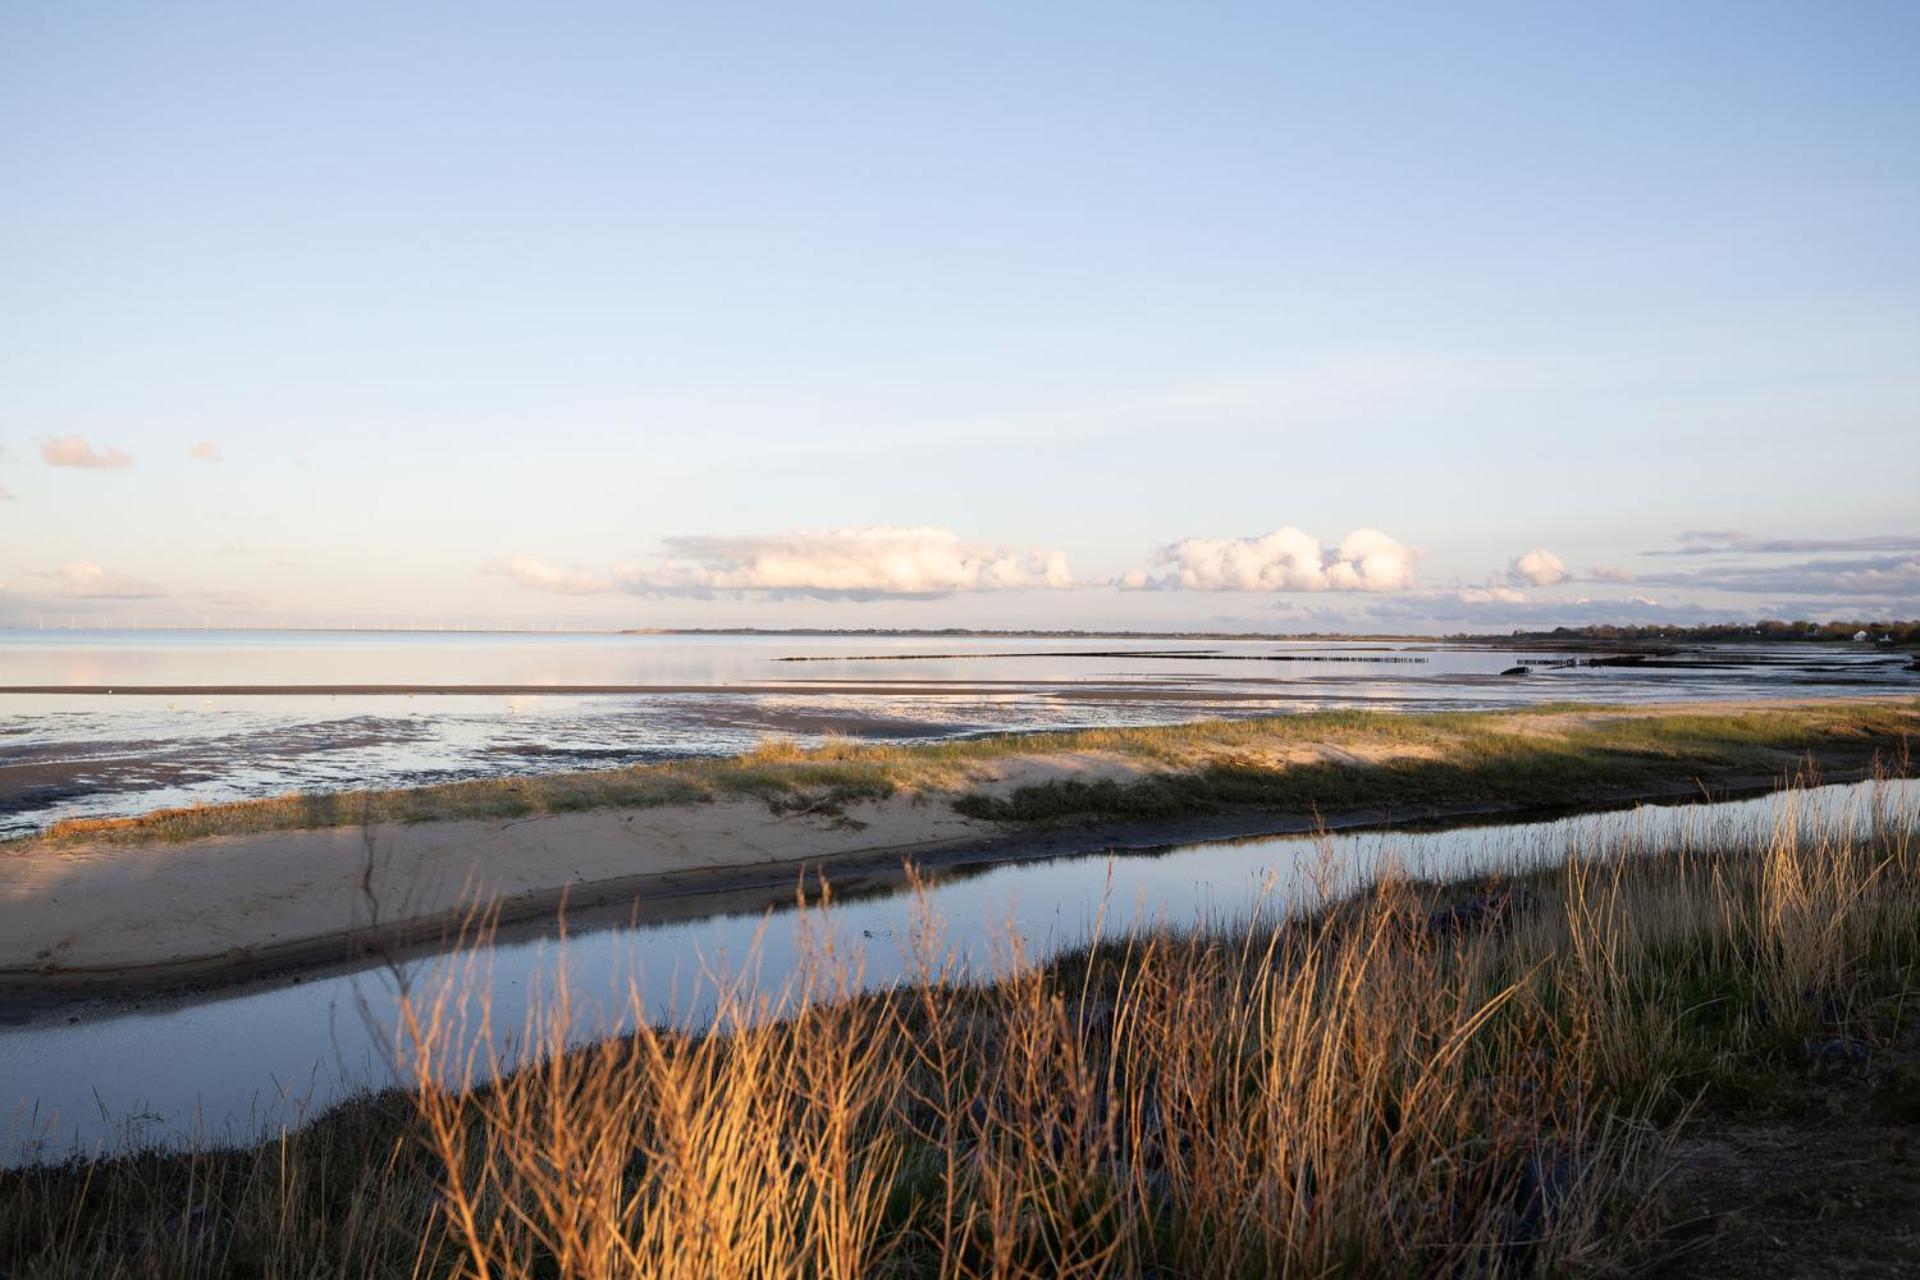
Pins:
x: 116, y: 724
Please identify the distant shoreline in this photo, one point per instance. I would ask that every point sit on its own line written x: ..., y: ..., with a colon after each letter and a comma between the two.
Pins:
x: 1905, y: 633
x: 1118, y: 688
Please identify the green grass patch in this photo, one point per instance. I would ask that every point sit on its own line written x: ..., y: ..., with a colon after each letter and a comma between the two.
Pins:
x: 1490, y: 759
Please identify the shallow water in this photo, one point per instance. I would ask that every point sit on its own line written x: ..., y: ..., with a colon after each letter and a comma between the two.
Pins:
x: 232, y: 1067
x: 91, y: 755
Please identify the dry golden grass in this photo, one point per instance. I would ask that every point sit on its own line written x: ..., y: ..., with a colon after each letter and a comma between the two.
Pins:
x: 1420, y: 1080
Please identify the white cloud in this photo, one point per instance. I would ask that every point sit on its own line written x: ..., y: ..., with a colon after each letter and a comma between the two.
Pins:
x: 1609, y: 573
x: 1538, y: 567
x: 6, y: 494
x: 1706, y: 542
x: 74, y: 451
x: 85, y: 580
x: 541, y: 576
x: 848, y: 564
x: 1284, y: 560
x: 1491, y: 595
x: 1496, y: 607
x: 206, y: 451
x: 1892, y: 576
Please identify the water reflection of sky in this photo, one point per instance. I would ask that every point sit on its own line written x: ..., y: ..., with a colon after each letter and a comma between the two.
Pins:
x: 227, y: 1067
x: 89, y: 755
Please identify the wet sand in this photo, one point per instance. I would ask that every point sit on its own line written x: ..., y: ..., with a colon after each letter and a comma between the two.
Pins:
x: 107, y: 916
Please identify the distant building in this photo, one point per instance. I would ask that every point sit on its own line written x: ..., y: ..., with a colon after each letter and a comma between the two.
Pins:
x: 1859, y: 637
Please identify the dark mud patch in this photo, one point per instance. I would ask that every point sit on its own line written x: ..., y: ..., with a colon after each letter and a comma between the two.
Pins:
x: 1828, y: 1188
x: 570, y: 757
x: 36, y: 785
x: 88, y: 777
x: 828, y: 724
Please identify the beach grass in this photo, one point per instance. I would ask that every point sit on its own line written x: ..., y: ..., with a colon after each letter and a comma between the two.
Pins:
x: 1312, y: 762
x: 1483, y: 1078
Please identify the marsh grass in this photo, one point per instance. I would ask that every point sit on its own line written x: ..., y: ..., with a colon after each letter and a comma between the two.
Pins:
x: 1313, y: 762
x: 1545, y: 756
x: 1415, y: 1079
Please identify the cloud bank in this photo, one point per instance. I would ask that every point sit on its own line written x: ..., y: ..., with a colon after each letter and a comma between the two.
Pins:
x: 1892, y: 576
x: 1490, y: 595
x: 923, y: 563
x: 1706, y: 542
x: 541, y: 576
x: 838, y: 564
x: 85, y: 580
x: 1496, y: 608
x: 1284, y: 560
x: 74, y: 451
x: 1538, y: 567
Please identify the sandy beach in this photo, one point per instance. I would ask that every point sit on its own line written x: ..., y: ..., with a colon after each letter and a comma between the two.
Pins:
x: 100, y: 915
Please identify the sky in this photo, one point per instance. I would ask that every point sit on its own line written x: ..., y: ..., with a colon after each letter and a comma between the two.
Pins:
x: 1387, y: 317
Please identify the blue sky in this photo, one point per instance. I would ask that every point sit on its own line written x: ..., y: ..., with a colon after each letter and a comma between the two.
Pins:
x: 609, y: 314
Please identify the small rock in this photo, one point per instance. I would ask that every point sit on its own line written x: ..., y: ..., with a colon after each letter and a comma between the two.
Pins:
x: 1837, y: 1051
x: 1476, y: 910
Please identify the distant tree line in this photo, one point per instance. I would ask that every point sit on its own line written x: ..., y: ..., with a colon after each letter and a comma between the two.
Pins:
x: 1899, y: 632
